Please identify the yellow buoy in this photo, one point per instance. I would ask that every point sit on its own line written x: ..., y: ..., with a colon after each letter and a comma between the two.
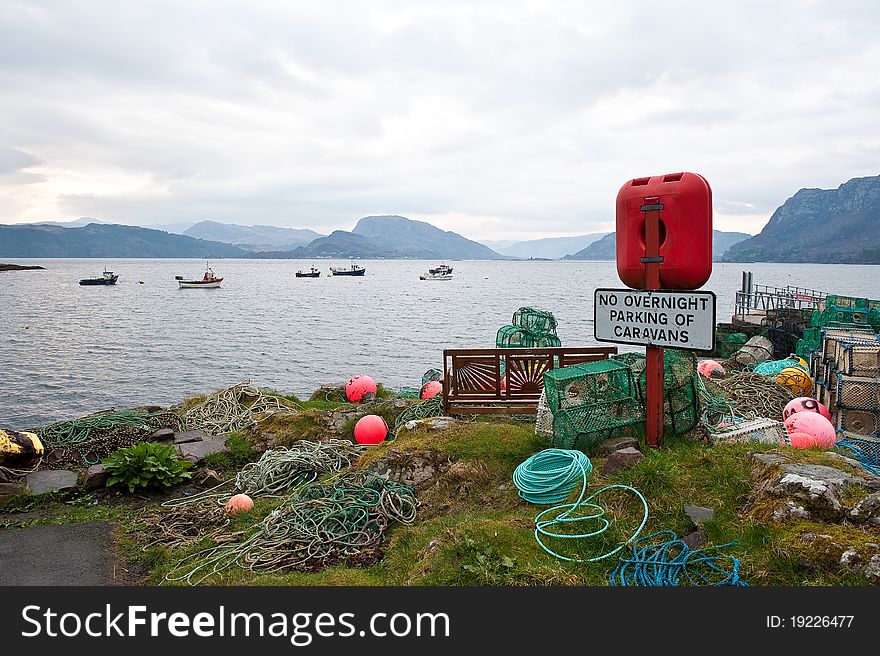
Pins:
x: 19, y: 449
x: 797, y: 380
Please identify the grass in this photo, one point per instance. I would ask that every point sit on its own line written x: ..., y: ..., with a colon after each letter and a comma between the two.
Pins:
x: 473, y: 529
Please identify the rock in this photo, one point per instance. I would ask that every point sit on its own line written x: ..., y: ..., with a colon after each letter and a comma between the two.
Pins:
x: 9, y: 488
x: 696, y: 539
x: 866, y: 509
x: 95, y: 477
x: 621, y: 459
x: 196, y: 451
x: 608, y: 447
x: 208, y: 478
x: 430, y: 424
x: 161, y: 435
x: 786, y: 489
x: 414, y: 468
x: 49, y: 480
x: 872, y: 571
x: 191, y: 436
x: 850, y: 559
x: 337, y: 420
x: 698, y: 514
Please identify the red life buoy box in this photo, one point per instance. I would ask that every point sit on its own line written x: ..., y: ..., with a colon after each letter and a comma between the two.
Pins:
x: 685, y: 210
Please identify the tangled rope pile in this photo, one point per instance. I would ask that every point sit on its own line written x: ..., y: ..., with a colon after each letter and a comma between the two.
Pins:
x: 671, y: 562
x: 756, y: 395
x: 87, y: 440
x: 865, y: 452
x: 342, y: 521
x: 186, y: 525
x: 283, y: 468
x: 235, y: 408
x: 550, y: 475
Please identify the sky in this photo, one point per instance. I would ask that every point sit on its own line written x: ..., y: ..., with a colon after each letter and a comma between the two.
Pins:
x: 498, y: 120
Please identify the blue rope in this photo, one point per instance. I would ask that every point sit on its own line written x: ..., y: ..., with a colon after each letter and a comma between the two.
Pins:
x: 548, y: 477
x: 867, y: 453
x: 671, y: 563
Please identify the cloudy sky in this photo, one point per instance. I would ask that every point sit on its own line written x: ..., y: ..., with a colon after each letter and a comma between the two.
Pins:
x: 495, y: 119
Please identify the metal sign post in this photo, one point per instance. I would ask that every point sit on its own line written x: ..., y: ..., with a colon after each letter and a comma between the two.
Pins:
x: 653, y: 354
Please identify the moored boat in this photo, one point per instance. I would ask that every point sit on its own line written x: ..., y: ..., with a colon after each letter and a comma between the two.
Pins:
x: 442, y: 270
x: 311, y: 273
x: 209, y: 280
x: 107, y: 278
x: 353, y: 270
x: 435, y: 276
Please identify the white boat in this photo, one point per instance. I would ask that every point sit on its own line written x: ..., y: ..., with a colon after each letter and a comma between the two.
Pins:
x: 431, y: 275
x: 209, y: 280
x: 442, y: 270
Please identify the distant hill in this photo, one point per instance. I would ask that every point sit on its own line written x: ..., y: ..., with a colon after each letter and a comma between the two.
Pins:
x: 340, y: 243
x: 550, y: 247
x: 253, y: 238
x: 820, y: 225
x: 421, y: 240
x: 606, y: 248
x: 77, y: 223
x: 106, y: 240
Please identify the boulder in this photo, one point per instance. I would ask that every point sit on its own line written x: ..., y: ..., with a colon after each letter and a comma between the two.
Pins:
x: 96, y: 477
x: 696, y: 539
x: 866, y: 510
x: 418, y: 469
x: 621, y: 459
x: 50, y: 480
x: 10, y: 488
x: 872, y: 570
x: 608, y: 447
x: 698, y: 514
x: 191, y: 436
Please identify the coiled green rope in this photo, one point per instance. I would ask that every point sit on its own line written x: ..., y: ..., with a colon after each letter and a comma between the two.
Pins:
x: 550, y: 475
x: 550, y: 479
x: 671, y: 562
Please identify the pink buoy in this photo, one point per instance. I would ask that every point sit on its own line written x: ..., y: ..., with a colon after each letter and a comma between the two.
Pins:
x: 709, y: 368
x: 805, y: 404
x: 360, y: 388
x: 370, y: 429
x: 814, y: 425
x: 430, y: 389
x: 802, y: 441
x: 239, y: 503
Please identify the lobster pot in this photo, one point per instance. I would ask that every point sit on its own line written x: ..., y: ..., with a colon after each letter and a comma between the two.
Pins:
x: 589, y: 383
x: 679, y: 367
x: 534, y: 320
x: 862, y: 422
x: 817, y: 369
x: 830, y: 337
x: 547, y: 341
x: 544, y: 418
x: 822, y: 394
x: 432, y: 375
x: 681, y: 409
x: 755, y: 351
x: 582, y: 427
x: 850, y: 302
x: 860, y: 358
x: 514, y: 337
x: 857, y: 392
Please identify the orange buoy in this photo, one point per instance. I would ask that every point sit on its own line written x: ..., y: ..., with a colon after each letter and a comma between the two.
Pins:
x: 430, y: 389
x: 370, y: 429
x: 239, y: 503
x: 360, y: 388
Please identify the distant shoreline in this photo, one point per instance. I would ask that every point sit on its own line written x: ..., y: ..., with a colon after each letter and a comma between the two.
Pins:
x: 20, y: 267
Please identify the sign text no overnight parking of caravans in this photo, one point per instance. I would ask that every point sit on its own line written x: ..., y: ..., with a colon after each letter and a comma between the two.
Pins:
x: 668, y: 319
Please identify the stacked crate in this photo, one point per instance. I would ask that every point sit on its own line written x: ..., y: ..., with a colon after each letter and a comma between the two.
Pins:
x: 847, y: 369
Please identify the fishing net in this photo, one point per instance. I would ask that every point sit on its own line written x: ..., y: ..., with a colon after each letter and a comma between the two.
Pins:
x: 431, y: 375
x: 235, y: 408
x: 535, y: 320
x: 531, y: 328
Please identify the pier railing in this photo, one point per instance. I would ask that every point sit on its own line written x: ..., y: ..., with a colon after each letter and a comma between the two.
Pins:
x: 505, y: 380
x: 761, y: 299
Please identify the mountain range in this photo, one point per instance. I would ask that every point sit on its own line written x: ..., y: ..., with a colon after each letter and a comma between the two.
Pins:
x: 606, y: 248
x: 820, y: 225
x: 549, y: 247
x: 252, y: 238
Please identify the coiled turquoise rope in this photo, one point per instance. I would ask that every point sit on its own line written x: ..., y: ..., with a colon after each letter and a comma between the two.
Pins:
x: 548, y: 477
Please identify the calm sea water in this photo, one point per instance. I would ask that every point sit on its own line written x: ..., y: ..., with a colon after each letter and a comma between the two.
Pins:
x: 68, y: 350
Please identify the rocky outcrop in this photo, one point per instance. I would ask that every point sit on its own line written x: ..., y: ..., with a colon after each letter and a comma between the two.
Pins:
x: 418, y: 469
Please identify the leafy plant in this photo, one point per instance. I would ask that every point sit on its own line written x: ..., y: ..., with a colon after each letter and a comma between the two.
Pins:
x: 485, y: 563
x: 147, y: 464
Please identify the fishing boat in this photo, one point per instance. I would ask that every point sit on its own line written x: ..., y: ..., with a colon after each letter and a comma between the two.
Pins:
x: 430, y: 275
x: 353, y: 270
x: 311, y: 273
x: 107, y: 278
x: 209, y: 280
x: 442, y: 270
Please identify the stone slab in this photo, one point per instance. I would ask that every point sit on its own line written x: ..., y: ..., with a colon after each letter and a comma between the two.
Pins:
x: 96, y: 477
x: 698, y: 514
x: 198, y: 450
x: 608, y: 447
x: 48, y: 480
x: 190, y: 436
x: 64, y: 554
x: 621, y: 459
x: 161, y: 435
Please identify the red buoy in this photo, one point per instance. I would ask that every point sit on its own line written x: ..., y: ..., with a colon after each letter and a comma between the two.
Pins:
x: 360, y: 388
x: 370, y: 429
x: 430, y: 389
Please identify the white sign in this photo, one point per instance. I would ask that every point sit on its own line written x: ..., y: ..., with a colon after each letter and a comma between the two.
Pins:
x: 671, y: 319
